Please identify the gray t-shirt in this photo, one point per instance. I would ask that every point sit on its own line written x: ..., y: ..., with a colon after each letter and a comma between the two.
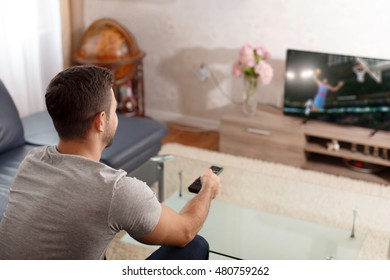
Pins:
x: 69, y: 207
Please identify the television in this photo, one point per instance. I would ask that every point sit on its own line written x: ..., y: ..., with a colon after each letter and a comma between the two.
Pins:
x: 343, y: 89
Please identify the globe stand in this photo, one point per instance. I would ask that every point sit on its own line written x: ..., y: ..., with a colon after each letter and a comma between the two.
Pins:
x: 109, y: 44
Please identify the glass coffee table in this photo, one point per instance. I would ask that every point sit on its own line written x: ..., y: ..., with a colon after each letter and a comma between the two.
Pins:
x: 257, y: 216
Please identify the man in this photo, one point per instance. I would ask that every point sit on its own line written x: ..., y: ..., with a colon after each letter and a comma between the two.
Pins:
x: 322, y: 91
x: 65, y: 204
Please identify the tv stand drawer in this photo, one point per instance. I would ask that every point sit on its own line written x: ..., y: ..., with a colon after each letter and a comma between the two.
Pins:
x: 266, y: 136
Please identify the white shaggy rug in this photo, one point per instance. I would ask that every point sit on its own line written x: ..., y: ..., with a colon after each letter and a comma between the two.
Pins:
x: 313, y: 196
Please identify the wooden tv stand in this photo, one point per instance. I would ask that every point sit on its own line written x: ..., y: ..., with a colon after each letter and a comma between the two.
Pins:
x: 272, y: 136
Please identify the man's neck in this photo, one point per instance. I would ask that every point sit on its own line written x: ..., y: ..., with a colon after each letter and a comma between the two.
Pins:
x: 83, y: 148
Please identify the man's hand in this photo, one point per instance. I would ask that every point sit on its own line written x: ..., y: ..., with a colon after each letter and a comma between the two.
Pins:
x: 210, y: 183
x: 178, y: 229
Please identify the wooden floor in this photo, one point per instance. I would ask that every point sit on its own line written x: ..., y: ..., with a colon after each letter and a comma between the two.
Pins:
x: 194, y: 137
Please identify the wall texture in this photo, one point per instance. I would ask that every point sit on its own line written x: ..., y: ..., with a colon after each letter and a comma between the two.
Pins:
x: 179, y: 35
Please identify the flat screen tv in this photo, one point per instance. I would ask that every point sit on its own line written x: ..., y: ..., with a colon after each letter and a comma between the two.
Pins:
x: 344, y: 89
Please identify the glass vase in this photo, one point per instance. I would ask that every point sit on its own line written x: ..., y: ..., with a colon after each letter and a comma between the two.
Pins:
x: 249, y: 106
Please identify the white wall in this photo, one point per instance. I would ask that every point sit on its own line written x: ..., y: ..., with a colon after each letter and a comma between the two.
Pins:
x: 178, y: 35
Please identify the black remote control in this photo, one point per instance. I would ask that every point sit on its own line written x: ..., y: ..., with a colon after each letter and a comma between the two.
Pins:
x: 197, y: 184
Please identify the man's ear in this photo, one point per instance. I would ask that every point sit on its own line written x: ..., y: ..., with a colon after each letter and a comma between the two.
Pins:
x: 99, y: 121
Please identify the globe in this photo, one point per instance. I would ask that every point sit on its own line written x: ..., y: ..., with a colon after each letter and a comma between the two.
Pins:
x: 109, y: 44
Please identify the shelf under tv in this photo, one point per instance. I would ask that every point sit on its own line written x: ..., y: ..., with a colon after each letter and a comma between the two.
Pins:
x: 288, y: 140
x: 346, y: 154
x: 357, y: 148
x: 335, y: 166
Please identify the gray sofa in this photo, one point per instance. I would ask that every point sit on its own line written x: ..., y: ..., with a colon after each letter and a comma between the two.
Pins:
x: 137, y: 139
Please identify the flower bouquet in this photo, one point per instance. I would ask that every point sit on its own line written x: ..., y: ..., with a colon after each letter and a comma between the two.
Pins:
x: 252, y: 66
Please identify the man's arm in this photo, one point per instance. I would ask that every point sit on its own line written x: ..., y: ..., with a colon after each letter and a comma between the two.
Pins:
x: 178, y: 229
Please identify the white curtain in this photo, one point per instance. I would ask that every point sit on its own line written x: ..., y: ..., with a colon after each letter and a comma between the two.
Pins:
x: 30, y: 50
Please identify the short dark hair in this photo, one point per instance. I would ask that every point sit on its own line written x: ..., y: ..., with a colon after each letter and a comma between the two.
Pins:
x: 75, y: 96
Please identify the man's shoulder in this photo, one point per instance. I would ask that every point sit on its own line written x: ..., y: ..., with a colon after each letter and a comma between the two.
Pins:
x: 38, y: 150
x: 49, y: 155
x: 36, y: 153
x: 42, y: 151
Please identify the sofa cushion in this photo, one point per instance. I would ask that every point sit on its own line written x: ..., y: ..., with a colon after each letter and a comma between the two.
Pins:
x: 11, y: 129
x: 136, y: 139
x: 9, y: 164
x: 39, y: 129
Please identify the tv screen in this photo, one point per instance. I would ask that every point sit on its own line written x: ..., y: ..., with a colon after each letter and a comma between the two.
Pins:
x: 338, y: 88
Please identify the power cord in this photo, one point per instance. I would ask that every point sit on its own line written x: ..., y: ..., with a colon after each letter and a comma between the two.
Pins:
x: 204, y: 72
x: 204, y: 69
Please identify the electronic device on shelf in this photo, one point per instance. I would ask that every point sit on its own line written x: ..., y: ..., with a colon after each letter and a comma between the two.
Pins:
x: 365, y: 167
x: 337, y: 88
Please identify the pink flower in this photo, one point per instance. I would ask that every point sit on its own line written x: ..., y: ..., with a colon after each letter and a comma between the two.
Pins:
x: 265, y: 72
x: 263, y: 52
x: 237, y: 70
x: 247, y: 55
x: 251, y: 64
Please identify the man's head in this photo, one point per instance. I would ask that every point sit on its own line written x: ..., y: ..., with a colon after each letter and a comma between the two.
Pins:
x: 76, y: 96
